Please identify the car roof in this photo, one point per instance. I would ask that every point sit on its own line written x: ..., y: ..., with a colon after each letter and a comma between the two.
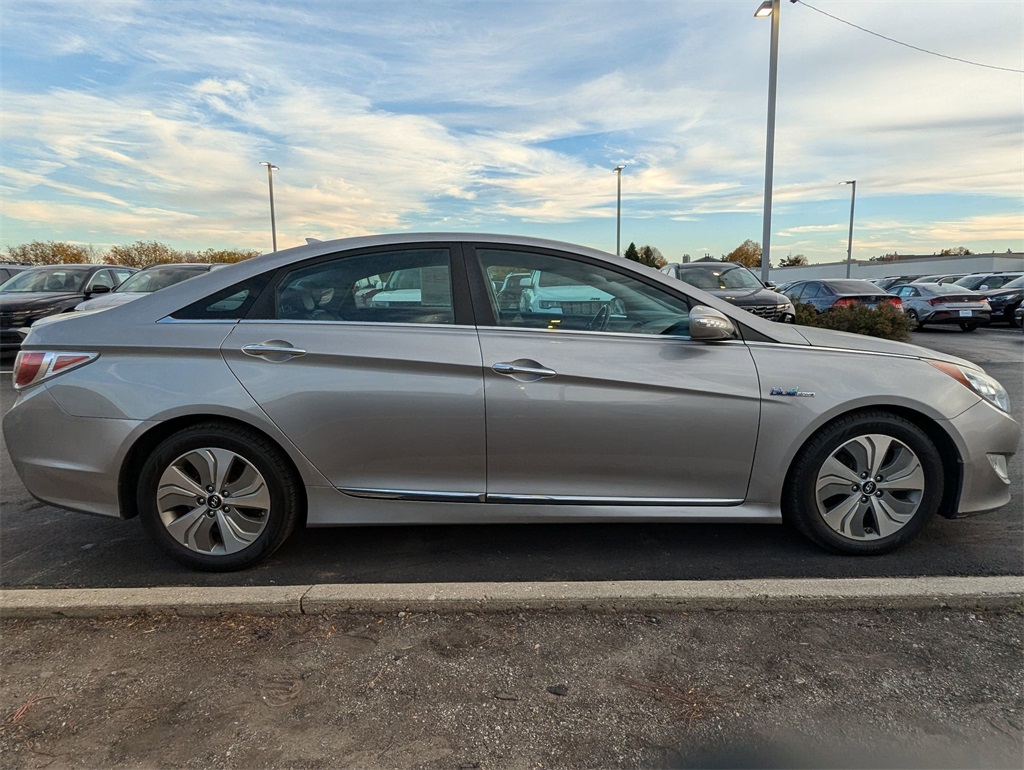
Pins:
x: 206, y: 265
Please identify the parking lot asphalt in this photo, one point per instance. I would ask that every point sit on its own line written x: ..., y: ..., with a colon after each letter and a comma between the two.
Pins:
x: 546, y: 667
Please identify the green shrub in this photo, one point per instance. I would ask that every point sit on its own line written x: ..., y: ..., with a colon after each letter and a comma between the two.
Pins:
x: 885, y: 321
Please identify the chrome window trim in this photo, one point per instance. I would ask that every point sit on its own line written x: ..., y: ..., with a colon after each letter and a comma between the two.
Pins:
x: 589, y: 333
x: 168, y: 320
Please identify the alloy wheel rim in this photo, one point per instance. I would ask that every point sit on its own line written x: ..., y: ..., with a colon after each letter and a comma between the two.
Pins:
x: 870, y: 487
x: 213, y: 501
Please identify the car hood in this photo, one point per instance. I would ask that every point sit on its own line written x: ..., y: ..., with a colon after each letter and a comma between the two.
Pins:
x: 110, y: 300
x: 26, y: 300
x: 996, y: 293
x: 826, y: 338
x: 753, y: 296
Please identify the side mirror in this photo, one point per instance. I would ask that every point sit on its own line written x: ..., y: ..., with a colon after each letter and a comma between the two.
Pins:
x: 769, y: 284
x: 709, y: 325
x: 99, y: 290
x: 524, y: 282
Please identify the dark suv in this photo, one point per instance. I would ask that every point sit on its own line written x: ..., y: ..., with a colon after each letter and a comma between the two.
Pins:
x: 7, y: 269
x: 37, y: 292
x: 736, y: 284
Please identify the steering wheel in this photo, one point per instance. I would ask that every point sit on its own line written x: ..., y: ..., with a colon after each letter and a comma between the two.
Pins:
x: 600, y: 320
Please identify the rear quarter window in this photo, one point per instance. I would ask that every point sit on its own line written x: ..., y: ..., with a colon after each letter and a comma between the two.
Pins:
x: 230, y: 304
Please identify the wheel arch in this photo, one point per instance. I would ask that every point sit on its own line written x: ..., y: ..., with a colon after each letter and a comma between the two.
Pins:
x: 144, y: 445
x: 952, y: 463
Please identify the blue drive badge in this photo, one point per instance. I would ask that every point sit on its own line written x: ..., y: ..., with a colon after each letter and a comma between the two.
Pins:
x: 791, y: 392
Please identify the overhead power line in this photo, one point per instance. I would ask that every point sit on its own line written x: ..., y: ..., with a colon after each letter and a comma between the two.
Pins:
x: 908, y: 45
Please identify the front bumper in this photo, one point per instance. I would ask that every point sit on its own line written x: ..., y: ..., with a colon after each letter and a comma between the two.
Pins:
x: 986, y: 438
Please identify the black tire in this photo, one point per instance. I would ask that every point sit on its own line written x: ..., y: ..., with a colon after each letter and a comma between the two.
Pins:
x: 867, y: 517
x: 967, y: 327
x: 246, y: 464
x: 915, y: 322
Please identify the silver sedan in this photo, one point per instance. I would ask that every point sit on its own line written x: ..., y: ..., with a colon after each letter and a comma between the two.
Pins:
x: 228, y: 409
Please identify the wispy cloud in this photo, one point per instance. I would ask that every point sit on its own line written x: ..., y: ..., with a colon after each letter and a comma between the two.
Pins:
x: 146, y: 120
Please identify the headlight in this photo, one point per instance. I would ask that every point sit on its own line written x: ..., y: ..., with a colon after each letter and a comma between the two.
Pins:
x: 985, y: 386
x: 547, y: 304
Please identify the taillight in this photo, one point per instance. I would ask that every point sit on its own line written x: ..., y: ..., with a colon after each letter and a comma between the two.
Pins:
x: 844, y: 302
x: 896, y: 302
x: 31, y: 368
x: 937, y: 301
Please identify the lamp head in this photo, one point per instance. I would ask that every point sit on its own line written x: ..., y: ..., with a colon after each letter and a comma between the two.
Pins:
x: 764, y: 10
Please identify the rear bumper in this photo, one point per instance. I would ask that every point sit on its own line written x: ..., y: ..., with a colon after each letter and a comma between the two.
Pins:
x: 953, y: 317
x: 67, y: 461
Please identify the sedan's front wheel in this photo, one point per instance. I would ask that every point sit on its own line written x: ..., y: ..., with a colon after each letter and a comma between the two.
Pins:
x: 218, y: 497
x: 864, y: 484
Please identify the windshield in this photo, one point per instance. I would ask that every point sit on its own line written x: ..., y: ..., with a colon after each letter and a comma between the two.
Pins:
x: 945, y: 288
x: 55, y: 279
x: 1016, y: 283
x: 724, y: 277
x: 158, y: 278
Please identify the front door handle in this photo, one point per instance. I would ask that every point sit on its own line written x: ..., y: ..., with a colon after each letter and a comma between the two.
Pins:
x: 523, y: 370
x: 273, y: 350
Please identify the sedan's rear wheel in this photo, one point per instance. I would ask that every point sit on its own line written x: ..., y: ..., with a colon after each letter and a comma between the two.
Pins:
x: 864, y: 484
x: 915, y: 322
x: 218, y: 497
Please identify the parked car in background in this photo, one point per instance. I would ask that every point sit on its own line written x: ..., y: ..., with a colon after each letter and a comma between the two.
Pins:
x: 548, y: 293
x: 38, y: 292
x: 7, y: 269
x: 146, y: 280
x: 943, y: 303
x: 986, y: 281
x: 511, y: 290
x: 893, y: 280
x: 737, y: 285
x: 224, y: 416
x: 1005, y: 300
x: 1018, y: 316
x: 940, y: 278
x: 830, y: 293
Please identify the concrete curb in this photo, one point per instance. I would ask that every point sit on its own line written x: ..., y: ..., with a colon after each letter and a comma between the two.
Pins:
x: 971, y: 593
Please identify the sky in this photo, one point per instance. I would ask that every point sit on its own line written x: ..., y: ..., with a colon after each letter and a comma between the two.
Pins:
x: 127, y: 120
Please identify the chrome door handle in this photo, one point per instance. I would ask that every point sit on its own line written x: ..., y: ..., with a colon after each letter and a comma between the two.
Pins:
x: 281, y: 351
x: 523, y: 369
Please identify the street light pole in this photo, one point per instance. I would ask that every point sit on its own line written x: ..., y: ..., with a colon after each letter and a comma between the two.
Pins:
x: 769, y: 8
x: 849, y: 245
x: 270, y: 178
x: 618, y: 209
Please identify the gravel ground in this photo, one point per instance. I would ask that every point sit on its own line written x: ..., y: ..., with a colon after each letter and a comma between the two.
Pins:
x: 513, y: 690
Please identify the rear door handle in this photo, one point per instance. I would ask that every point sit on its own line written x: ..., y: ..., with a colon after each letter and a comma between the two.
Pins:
x: 523, y: 370
x: 274, y: 350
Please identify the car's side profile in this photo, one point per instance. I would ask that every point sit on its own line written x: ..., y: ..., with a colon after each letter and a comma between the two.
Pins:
x: 227, y: 409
